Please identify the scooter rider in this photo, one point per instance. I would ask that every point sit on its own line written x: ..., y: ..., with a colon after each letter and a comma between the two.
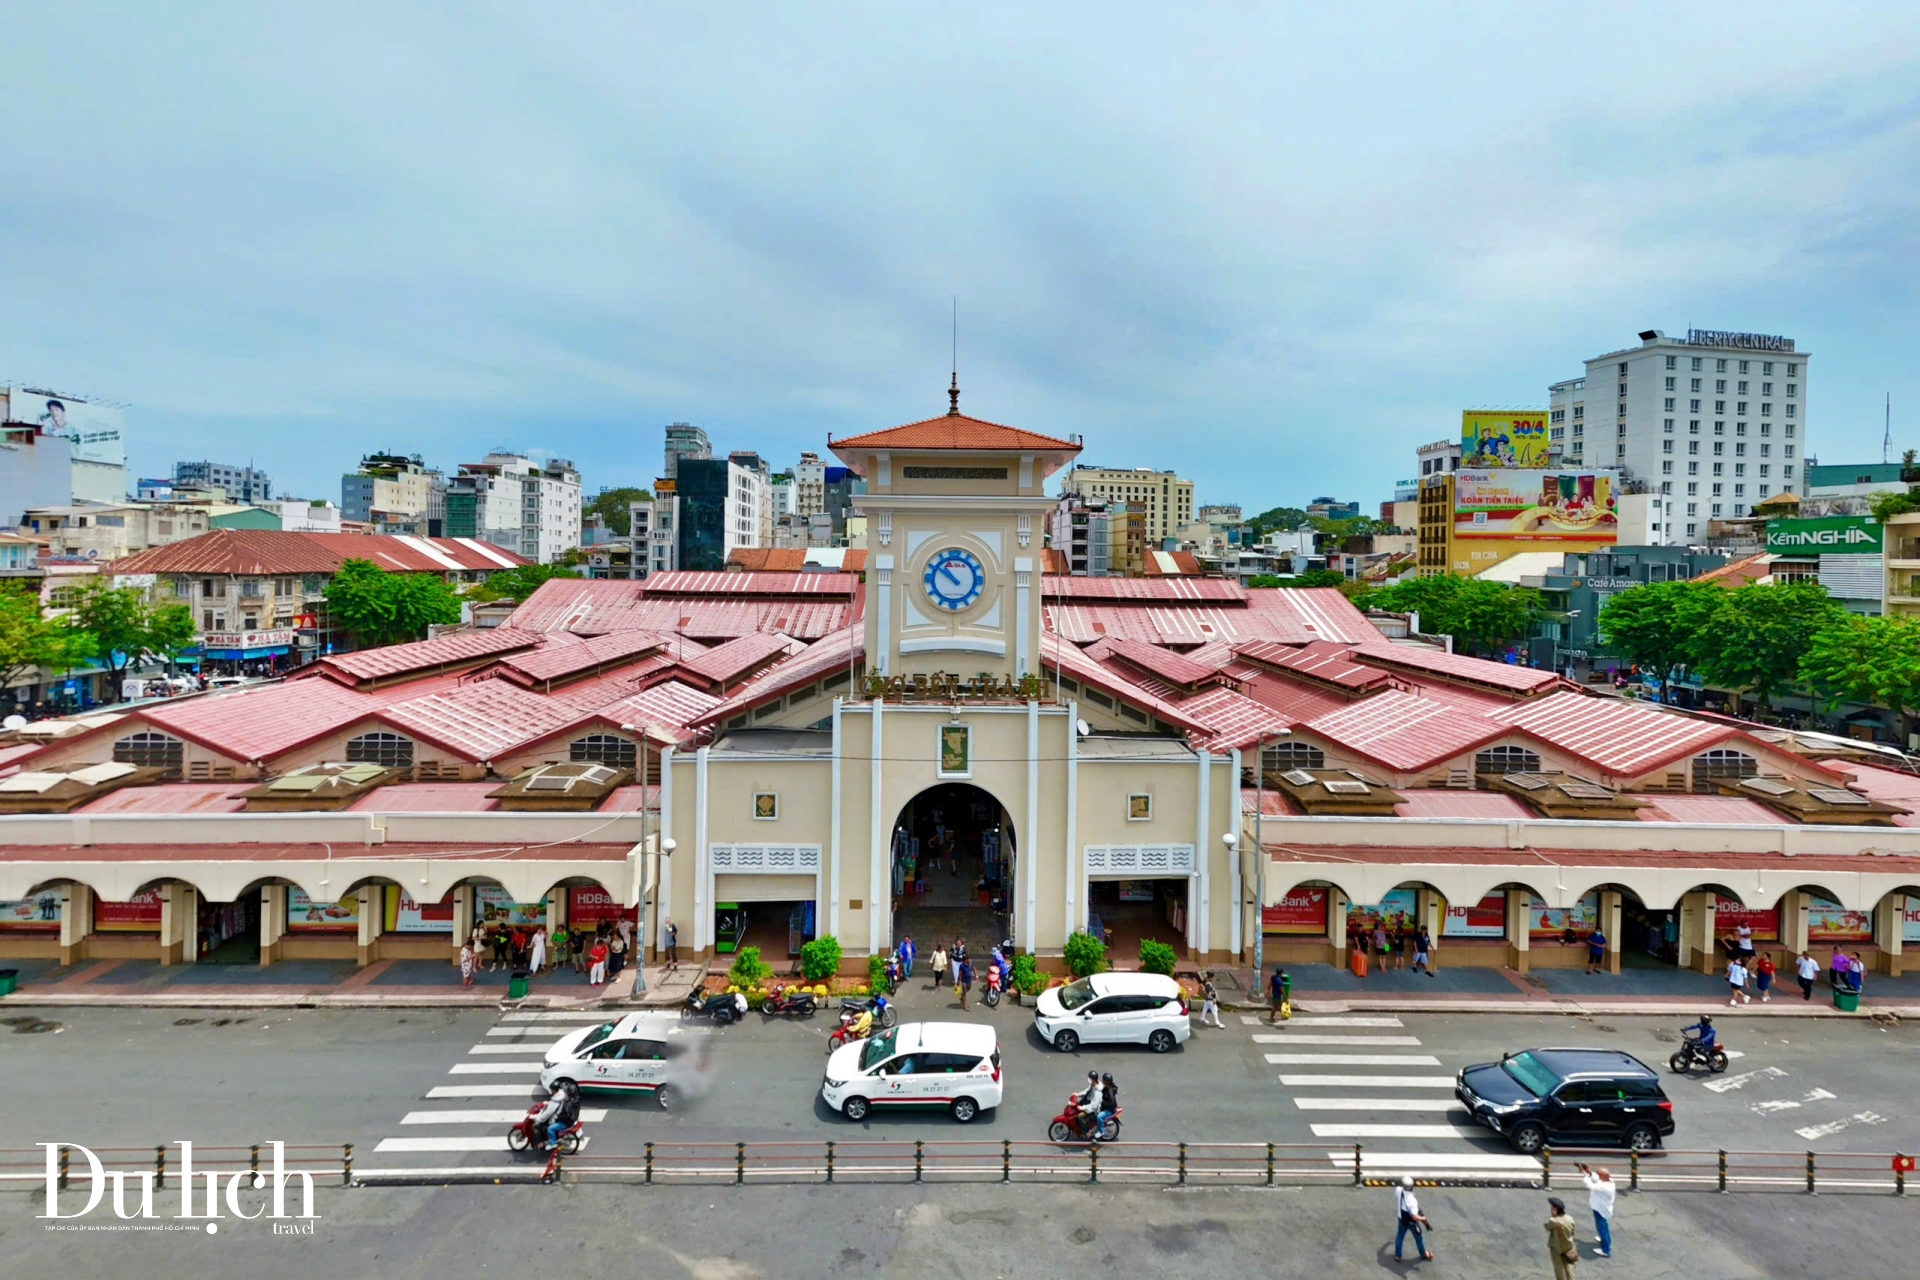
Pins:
x: 1708, y: 1037
x: 1109, y: 1102
x: 1089, y: 1103
x: 547, y: 1125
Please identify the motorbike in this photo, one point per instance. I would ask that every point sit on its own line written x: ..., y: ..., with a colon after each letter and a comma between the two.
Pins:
x: 845, y: 1031
x: 1065, y: 1127
x: 723, y: 1007
x: 781, y: 1000
x: 528, y: 1134
x: 884, y: 1014
x: 1690, y: 1055
x: 992, y: 994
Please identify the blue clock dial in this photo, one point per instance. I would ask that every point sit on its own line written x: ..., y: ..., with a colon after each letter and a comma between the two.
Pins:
x: 954, y: 578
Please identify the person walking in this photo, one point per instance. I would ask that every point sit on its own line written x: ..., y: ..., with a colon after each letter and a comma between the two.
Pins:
x: 1423, y: 952
x: 537, y: 959
x: 964, y: 979
x: 1596, y: 951
x: 1763, y: 971
x: 1600, y: 1196
x: 466, y: 963
x: 939, y: 960
x: 958, y: 954
x: 907, y: 953
x: 1411, y: 1219
x: 1807, y: 969
x: 673, y: 945
x: 1276, y: 993
x: 1737, y: 982
x: 597, y: 963
x: 1210, y: 1002
x: 1560, y: 1246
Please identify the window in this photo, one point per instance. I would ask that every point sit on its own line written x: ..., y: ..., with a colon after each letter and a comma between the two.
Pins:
x: 1739, y: 491
x: 1693, y: 490
x: 1766, y: 388
x: 1719, y: 426
x: 1793, y: 371
x: 1693, y: 406
x: 1506, y: 760
x: 1693, y: 447
x: 1667, y: 426
x: 1786, y: 473
x: 1670, y: 382
x: 151, y: 750
x: 1765, y: 450
x: 1719, y: 366
x: 1719, y: 447
x: 1623, y: 368
x: 603, y: 748
x: 1739, y: 428
x: 1766, y: 428
x: 1765, y: 489
x: 1740, y: 449
x: 1696, y: 364
x: 1292, y: 755
x: 1743, y: 406
x: 1720, y: 406
x: 1693, y: 468
x: 1710, y: 766
x: 1666, y: 446
x: 1694, y: 385
x: 1673, y: 362
x: 1716, y: 511
x: 1667, y: 404
x: 1716, y: 493
x: 1693, y: 426
x: 1719, y: 468
x: 1666, y: 468
x: 1743, y: 388
x: 1720, y: 386
x: 1739, y: 469
x: 388, y: 749
x: 1790, y: 411
x: 1692, y: 528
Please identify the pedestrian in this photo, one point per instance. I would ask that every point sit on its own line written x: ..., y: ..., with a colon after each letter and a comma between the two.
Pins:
x: 1423, y: 952
x: 1743, y: 942
x: 597, y: 963
x: 1837, y: 969
x: 1856, y: 974
x: 673, y: 945
x: 1807, y: 969
x: 466, y: 963
x: 958, y: 954
x: 1411, y: 1219
x: 1380, y: 941
x: 560, y: 944
x: 1596, y: 951
x: 907, y: 953
x: 1277, y: 994
x: 939, y: 960
x: 964, y: 977
x: 1210, y: 997
x: 520, y: 944
x: 616, y: 956
x: 1400, y: 940
x: 1600, y: 1197
x: 1763, y: 972
x: 502, y: 945
x: 580, y: 941
x: 537, y: 960
x: 1560, y: 1246
x: 1737, y: 982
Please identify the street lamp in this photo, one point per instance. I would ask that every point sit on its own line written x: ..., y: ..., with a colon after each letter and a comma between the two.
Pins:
x: 1260, y: 853
x: 666, y: 847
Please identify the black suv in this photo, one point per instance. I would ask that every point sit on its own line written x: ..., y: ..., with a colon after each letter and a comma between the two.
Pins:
x: 1570, y: 1097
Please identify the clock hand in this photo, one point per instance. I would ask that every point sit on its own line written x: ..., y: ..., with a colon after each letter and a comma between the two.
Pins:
x: 946, y: 572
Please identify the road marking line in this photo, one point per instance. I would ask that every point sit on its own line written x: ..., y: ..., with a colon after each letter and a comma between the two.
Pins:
x: 1341, y: 1020
x: 575, y: 1016
x: 1410, y: 1160
x: 1392, y: 1131
x: 495, y: 1068
x: 1375, y: 1040
x: 1742, y: 1080
x: 526, y: 1091
x: 1834, y: 1126
x: 528, y: 1047
x: 1353, y: 1059
x: 526, y: 1029
x: 1369, y: 1082
x: 1768, y: 1108
x: 1377, y: 1104
x: 592, y: 1115
x: 1818, y: 1095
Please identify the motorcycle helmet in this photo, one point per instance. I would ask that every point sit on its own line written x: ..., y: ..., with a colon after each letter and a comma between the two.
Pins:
x: 1706, y: 1019
x: 1106, y: 1077
x: 1093, y: 1077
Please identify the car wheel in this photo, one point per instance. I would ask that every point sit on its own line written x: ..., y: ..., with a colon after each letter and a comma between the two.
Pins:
x: 1160, y: 1041
x: 665, y: 1097
x: 965, y: 1109
x: 855, y: 1109
x: 1677, y: 1063
x: 1528, y: 1138
x: 1066, y: 1041
x: 517, y: 1138
x: 1643, y: 1137
x: 1058, y: 1132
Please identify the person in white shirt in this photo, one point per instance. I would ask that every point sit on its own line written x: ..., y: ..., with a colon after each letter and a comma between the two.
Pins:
x: 1411, y: 1219
x: 1737, y: 982
x: 1808, y: 970
x: 1600, y: 1196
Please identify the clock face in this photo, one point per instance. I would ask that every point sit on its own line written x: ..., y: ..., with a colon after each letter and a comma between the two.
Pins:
x: 954, y: 578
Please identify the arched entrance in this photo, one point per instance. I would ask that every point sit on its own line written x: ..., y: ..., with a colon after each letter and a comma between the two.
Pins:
x: 953, y: 860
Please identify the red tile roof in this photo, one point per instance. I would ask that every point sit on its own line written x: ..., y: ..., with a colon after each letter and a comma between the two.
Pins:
x: 1068, y: 660
x: 1622, y: 737
x: 562, y: 657
x: 761, y: 559
x: 665, y: 713
x: 1052, y: 561
x: 1455, y: 666
x: 1229, y: 720
x: 1739, y: 572
x: 688, y: 583
x: 173, y: 797
x: 429, y: 797
x: 1736, y: 809
x: 482, y: 720
x: 1461, y: 804
x: 631, y: 799
x: 264, y: 552
x: 824, y: 657
x: 1172, y: 564
x: 737, y: 657
x: 258, y: 723
x: 1322, y: 661
x: 1154, y: 661
x: 1300, y: 614
x: 1147, y: 590
x: 953, y: 431
x: 1404, y: 731
x: 422, y: 656
x: 600, y: 607
x: 1294, y: 700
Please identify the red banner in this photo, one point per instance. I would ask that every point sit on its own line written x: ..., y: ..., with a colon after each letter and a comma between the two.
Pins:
x: 591, y: 906
x: 1486, y: 918
x: 140, y: 914
x: 1303, y: 911
x: 1729, y: 915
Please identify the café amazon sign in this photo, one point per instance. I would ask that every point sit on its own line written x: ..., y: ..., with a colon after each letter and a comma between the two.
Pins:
x: 1827, y: 536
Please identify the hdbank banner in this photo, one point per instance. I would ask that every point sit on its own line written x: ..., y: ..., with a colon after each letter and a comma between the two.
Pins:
x: 1536, y: 506
x: 1503, y: 438
x: 1826, y: 536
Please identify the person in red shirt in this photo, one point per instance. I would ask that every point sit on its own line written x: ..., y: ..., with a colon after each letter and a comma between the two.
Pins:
x: 597, y: 963
x: 1763, y: 976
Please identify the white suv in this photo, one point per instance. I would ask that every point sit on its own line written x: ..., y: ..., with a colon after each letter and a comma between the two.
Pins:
x: 953, y: 1065
x: 1114, y: 1008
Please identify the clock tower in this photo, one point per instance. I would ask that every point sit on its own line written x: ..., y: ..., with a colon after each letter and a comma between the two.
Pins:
x: 956, y: 513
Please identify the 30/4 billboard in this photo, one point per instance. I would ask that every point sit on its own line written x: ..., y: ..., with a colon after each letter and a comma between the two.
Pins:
x: 1503, y: 438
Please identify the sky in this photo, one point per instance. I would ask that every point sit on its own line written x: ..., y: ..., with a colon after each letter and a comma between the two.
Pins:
x: 1275, y: 247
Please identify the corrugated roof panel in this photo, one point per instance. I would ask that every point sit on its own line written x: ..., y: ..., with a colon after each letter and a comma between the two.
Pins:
x: 562, y: 655
x: 1403, y: 731
x: 258, y: 723
x: 1148, y: 590
x: 265, y: 552
x: 824, y: 657
x: 689, y: 583
x: 1165, y: 664
x: 666, y: 712
x: 1624, y: 738
x: 429, y: 797
x: 481, y: 720
x: 1322, y: 660
x: 1230, y: 719
x: 1461, y: 804
x: 1735, y: 809
x: 953, y: 431
x: 1311, y: 613
x: 173, y: 797
x: 423, y: 655
x: 1498, y: 675
x: 735, y: 657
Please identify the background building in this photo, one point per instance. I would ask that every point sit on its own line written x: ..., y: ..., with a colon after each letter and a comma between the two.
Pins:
x: 58, y: 449
x: 810, y: 485
x: 511, y: 502
x: 240, y: 484
x: 722, y: 504
x: 684, y: 440
x: 396, y: 493
x: 1166, y: 499
x: 1855, y: 480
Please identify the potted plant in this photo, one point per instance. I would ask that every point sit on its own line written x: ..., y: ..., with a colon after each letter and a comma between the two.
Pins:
x: 1085, y: 955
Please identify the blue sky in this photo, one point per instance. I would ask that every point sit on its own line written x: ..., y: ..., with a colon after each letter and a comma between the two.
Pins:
x: 1273, y: 246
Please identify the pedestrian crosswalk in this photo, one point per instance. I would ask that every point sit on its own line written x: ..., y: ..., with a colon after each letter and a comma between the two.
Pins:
x: 1397, y: 1098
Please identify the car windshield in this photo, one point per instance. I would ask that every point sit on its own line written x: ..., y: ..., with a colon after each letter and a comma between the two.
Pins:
x: 1075, y: 994
x: 879, y: 1048
x: 595, y: 1036
x: 1532, y: 1075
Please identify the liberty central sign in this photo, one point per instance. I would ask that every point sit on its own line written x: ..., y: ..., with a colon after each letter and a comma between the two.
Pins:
x: 1830, y: 535
x: 1745, y: 341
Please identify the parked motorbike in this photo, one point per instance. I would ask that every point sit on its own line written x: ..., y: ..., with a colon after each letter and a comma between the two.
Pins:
x: 723, y: 1007
x: 992, y: 994
x: 1065, y: 1127
x: 1690, y: 1055
x: 884, y: 1014
x: 781, y: 1000
x: 528, y: 1134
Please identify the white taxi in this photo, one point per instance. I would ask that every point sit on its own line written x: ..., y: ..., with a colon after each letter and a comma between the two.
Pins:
x: 951, y: 1065
x: 641, y: 1053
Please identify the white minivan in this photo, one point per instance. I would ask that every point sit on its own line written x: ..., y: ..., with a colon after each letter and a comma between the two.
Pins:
x: 952, y: 1065
x: 642, y: 1053
x: 1114, y: 1008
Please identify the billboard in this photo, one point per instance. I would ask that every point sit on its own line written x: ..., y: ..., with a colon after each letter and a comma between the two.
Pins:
x: 1485, y: 919
x: 94, y: 429
x: 1303, y: 911
x: 1546, y: 923
x: 1829, y: 922
x: 1503, y: 438
x: 1827, y: 536
x: 1536, y: 506
x: 305, y: 915
x: 1729, y: 915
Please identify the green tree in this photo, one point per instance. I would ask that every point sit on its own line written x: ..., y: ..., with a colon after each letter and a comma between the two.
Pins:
x: 1889, y: 503
x: 611, y: 507
x: 1870, y: 660
x: 1478, y: 614
x: 1348, y: 527
x: 1286, y: 518
x: 30, y: 640
x: 382, y: 608
x: 1755, y: 639
x: 126, y: 629
x: 1662, y: 625
x: 519, y: 583
x: 1314, y: 578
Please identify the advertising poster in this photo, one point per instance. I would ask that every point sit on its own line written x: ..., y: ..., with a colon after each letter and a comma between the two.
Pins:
x: 1826, y: 535
x: 1547, y: 923
x: 1828, y: 921
x: 1485, y: 919
x: 1729, y: 915
x: 93, y: 429
x: 1303, y: 911
x: 591, y: 906
x: 490, y: 904
x: 308, y: 916
x: 1398, y: 907
x: 39, y: 913
x: 138, y: 916
x: 1910, y: 928
x: 404, y: 915
x: 1536, y: 506
x: 1503, y: 438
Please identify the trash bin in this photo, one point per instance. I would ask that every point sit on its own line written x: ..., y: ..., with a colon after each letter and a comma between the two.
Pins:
x: 9, y: 978
x: 1844, y: 1000
x: 1286, y: 988
x: 517, y: 984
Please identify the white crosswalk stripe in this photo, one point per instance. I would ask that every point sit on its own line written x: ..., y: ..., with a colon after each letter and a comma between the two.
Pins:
x: 1317, y: 1039
x: 592, y: 1115
x: 1456, y: 1166
x: 494, y: 1068
x: 523, y: 1049
x: 1389, y: 1131
x: 1378, y: 1104
x: 1330, y: 1020
x: 1354, y: 1059
x: 495, y: 1143
x: 1367, y: 1082
x: 578, y: 1015
x: 525, y: 1091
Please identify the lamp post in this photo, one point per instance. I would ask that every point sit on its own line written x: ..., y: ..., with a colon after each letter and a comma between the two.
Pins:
x: 667, y: 846
x: 1260, y: 854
